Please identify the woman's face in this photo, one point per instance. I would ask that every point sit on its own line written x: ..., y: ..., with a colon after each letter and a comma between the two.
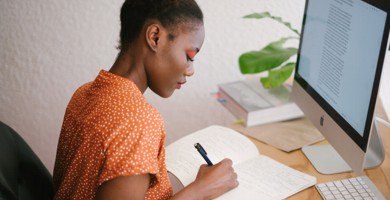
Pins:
x: 173, y: 61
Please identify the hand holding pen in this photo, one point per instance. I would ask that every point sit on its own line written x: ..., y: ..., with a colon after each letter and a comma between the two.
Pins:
x: 215, y: 179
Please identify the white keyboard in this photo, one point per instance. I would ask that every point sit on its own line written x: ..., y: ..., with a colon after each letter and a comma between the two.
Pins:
x: 351, y: 188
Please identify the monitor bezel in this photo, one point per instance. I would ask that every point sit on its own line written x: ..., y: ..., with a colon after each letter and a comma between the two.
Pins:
x: 362, y: 142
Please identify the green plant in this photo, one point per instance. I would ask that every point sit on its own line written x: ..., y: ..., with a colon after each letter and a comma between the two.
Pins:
x: 271, y: 57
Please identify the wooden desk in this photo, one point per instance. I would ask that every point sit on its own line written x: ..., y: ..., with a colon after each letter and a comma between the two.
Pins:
x: 380, y: 176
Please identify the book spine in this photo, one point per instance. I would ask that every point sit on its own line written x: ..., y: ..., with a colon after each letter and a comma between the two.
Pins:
x: 230, y: 104
x: 274, y: 114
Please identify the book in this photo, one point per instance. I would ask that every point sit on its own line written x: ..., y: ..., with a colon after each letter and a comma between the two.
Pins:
x: 259, y: 176
x: 249, y: 101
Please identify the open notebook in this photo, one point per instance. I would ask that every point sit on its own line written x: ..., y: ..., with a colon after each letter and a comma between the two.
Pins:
x: 259, y: 176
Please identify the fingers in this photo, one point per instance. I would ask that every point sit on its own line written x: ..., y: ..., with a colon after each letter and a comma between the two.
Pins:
x: 232, y: 180
x: 231, y: 183
x: 203, y: 166
x: 226, y: 163
x: 234, y: 176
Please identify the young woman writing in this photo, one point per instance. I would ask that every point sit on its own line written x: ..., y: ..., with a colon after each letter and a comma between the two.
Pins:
x: 111, y: 144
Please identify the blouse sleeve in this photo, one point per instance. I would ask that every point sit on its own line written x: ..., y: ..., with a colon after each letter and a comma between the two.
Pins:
x: 129, y: 154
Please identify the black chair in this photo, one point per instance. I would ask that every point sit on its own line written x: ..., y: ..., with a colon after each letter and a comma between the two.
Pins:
x: 22, y: 174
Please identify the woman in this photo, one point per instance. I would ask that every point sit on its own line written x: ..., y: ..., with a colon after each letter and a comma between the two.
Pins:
x: 111, y: 144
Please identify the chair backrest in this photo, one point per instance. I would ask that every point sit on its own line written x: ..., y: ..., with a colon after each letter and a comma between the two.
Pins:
x: 22, y: 174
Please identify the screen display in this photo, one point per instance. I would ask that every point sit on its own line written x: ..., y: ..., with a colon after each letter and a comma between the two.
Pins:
x: 339, y: 54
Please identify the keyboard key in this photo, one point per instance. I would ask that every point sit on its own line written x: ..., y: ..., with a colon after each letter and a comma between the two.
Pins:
x: 321, y: 185
x: 358, y: 187
x: 338, y: 196
x: 354, y: 194
x: 351, y: 190
x: 361, y: 191
x: 349, y: 186
x: 329, y: 184
x: 324, y: 189
x: 342, y: 188
x: 332, y: 188
x: 348, y: 196
x: 329, y: 197
x: 364, y: 195
x: 355, y: 183
x: 338, y: 183
x: 335, y: 192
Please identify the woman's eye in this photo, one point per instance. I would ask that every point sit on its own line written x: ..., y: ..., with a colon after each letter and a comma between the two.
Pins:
x: 190, y: 59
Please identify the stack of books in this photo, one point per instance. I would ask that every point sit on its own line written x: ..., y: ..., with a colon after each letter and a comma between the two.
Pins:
x: 249, y: 101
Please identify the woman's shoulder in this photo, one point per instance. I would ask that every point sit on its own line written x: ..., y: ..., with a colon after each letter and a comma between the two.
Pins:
x: 127, y: 108
x: 78, y: 96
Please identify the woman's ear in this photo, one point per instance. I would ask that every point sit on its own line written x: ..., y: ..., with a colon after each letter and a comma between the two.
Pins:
x: 153, y: 34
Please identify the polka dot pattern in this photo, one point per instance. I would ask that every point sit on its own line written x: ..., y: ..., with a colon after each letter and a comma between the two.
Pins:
x: 109, y: 130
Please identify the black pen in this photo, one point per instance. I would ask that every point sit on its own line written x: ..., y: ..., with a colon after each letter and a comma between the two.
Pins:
x: 203, y: 153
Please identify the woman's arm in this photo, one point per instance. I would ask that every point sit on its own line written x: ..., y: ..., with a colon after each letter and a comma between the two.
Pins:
x: 124, y: 187
x: 211, y: 182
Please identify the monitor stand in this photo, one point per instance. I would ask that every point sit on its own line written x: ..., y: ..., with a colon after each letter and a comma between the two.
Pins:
x: 326, y: 160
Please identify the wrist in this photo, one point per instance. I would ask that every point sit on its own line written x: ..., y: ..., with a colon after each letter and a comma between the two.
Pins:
x: 192, y: 192
x: 196, y: 190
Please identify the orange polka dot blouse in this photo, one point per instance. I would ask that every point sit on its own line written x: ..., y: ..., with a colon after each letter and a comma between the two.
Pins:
x: 109, y: 130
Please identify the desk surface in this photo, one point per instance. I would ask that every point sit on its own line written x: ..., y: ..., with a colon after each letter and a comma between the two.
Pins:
x: 380, y: 176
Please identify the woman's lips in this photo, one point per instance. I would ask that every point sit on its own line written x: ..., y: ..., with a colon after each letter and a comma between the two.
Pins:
x: 178, y: 85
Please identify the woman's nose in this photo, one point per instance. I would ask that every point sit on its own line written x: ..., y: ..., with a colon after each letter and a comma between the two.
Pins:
x: 190, y: 71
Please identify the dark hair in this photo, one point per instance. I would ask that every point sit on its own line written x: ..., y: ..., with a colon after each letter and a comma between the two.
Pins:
x: 169, y: 13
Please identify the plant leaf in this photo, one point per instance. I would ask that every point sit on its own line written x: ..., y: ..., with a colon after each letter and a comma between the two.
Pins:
x: 267, y: 58
x: 277, y: 77
x: 276, y: 18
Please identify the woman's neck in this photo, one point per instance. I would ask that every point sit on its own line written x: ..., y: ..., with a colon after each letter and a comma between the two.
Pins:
x: 129, y: 65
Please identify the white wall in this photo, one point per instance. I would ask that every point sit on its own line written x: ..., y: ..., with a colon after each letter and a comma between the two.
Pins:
x: 49, y: 48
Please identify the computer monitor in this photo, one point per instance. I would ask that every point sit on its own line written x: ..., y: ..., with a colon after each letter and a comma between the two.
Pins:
x: 339, y: 65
